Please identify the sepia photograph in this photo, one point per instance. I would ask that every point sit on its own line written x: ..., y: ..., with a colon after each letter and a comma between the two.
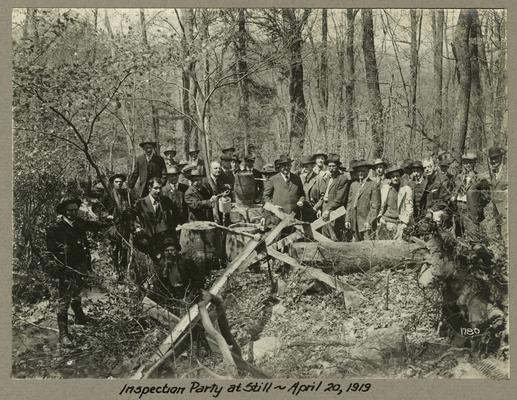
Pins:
x: 262, y: 193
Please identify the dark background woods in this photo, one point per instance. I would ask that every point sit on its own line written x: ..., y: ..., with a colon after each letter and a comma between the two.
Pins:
x: 89, y: 84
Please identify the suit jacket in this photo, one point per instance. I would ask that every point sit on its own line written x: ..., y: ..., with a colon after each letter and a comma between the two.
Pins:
x: 177, y: 196
x: 197, y: 198
x: 154, y: 222
x: 404, y: 202
x: 337, y: 196
x: 69, y: 244
x: 436, y: 193
x: 284, y: 194
x: 311, y: 184
x: 259, y: 183
x: 366, y: 208
x: 114, y: 208
x: 144, y: 171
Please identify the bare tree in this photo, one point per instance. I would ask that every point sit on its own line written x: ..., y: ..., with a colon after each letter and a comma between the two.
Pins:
x: 350, y: 80
x: 437, y: 26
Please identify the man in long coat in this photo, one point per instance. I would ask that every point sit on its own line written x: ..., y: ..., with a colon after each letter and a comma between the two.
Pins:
x: 148, y: 165
x: 118, y: 205
x: 363, y: 203
x: 70, y: 262
x: 285, y: 189
x: 175, y: 191
x: 333, y: 194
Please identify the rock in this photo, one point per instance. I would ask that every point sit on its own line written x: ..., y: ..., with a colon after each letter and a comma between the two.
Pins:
x: 265, y: 346
x: 278, y: 309
x: 381, y: 344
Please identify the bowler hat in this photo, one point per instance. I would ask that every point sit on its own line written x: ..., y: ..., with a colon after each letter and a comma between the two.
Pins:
x: 283, y: 159
x: 469, y: 157
x: 172, y: 170
x: 115, y: 176
x: 361, y: 164
x: 417, y: 164
x: 170, y: 149
x: 306, y: 160
x: 65, y: 201
x: 230, y: 148
x: 392, y: 169
x: 333, y: 158
x: 380, y: 161
x: 319, y: 153
x: 269, y: 169
x: 149, y: 141
x: 495, y: 151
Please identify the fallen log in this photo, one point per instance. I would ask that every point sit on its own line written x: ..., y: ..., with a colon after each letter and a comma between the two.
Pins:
x: 180, y: 331
x: 347, y: 257
x: 352, y: 295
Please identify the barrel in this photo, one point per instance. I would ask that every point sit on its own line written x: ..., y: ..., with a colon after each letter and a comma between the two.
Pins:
x: 244, y: 188
x: 234, y: 242
x: 201, y: 244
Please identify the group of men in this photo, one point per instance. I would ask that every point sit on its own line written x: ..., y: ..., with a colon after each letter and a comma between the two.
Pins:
x: 381, y: 201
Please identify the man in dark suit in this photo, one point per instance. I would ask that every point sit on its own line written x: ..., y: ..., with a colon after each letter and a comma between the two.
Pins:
x: 156, y: 220
x: 333, y: 194
x: 118, y: 204
x: 363, y: 203
x: 148, y: 165
x: 249, y: 167
x: 175, y: 191
x: 436, y: 196
x: 285, y: 189
x: 69, y: 262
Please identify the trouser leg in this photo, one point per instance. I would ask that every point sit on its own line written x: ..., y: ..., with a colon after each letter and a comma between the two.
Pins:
x: 64, y: 299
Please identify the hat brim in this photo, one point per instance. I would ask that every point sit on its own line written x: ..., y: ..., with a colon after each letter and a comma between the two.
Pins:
x: 399, y: 170
x: 62, y: 204
x: 142, y: 145
x: 319, y: 155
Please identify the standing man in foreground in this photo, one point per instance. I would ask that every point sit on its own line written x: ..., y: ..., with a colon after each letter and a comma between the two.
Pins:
x: 148, y: 165
x: 285, y: 189
x: 363, y: 203
x: 70, y: 262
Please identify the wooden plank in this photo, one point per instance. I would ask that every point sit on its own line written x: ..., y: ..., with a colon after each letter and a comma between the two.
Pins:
x: 192, y: 316
x: 319, y: 223
x: 315, y: 273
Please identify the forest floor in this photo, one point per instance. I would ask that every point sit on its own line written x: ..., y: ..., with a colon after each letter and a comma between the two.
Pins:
x: 303, y: 330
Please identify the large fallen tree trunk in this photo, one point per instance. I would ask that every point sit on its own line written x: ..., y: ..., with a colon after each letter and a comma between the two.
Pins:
x: 347, y: 257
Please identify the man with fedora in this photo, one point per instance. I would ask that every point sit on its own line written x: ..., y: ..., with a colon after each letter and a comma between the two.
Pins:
x: 307, y: 164
x: 175, y: 191
x: 436, y: 196
x: 499, y: 188
x: 465, y: 196
x: 396, y: 210
x: 448, y: 167
x: 363, y: 203
x: 417, y: 185
x: 311, y: 180
x: 156, y: 220
x: 70, y: 261
x: 249, y: 167
x: 227, y: 172
x: 170, y: 153
x: 118, y: 203
x: 148, y: 165
x: 194, y: 159
x: 285, y: 189
x: 379, y: 169
x: 333, y: 194
x: 203, y: 195
x: 228, y: 151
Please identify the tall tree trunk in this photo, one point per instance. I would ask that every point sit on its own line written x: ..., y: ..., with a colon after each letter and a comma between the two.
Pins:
x: 477, y: 108
x: 437, y: 23
x: 242, y: 71
x: 323, y: 75
x: 95, y: 21
x: 205, y: 36
x: 296, y: 94
x: 350, y: 81
x: 372, y: 82
x: 413, y: 79
x: 500, y: 106
x: 461, y: 49
x: 154, y: 111
x: 186, y: 20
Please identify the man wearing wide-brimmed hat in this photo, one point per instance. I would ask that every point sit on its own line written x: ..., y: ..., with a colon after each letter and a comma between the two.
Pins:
x: 118, y: 203
x: 363, y: 203
x: 307, y: 164
x: 396, y: 211
x: 465, y: 195
x: 70, y: 261
x: 175, y: 191
x: 417, y: 184
x: 379, y: 168
x: 169, y: 153
x: 228, y: 151
x: 311, y: 183
x: 285, y: 189
x: 201, y: 198
x: 148, y: 165
x: 436, y: 193
x: 193, y: 157
x: 333, y: 194
x: 249, y: 168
